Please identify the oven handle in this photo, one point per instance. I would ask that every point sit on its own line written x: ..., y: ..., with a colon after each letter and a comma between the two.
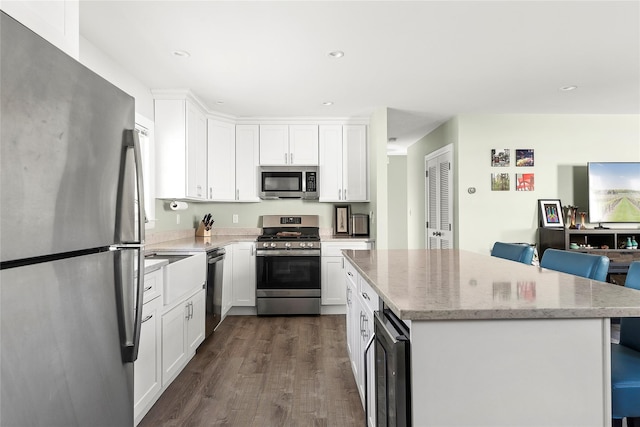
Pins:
x: 287, y: 252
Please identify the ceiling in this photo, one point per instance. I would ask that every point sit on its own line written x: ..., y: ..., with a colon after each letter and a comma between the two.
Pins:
x: 426, y: 61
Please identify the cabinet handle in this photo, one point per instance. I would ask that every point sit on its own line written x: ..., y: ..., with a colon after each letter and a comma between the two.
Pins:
x: 191, y: 310
x: 211, y: 192
x: 349, y: 273
x: 186, y: 307
x: 285, y: 158
x: 147, y: 318
x: 147, y: 288
x: 365, y: 296
x: 345, y: 194
x: 237, y: 194
x: 291, y: 158
x: 339, y: 194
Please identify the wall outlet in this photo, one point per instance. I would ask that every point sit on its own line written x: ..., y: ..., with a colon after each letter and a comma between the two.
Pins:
x: 235, y: 218
x: 177, y: 218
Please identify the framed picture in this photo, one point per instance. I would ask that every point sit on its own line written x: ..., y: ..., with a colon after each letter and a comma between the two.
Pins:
x: 500, y: 157
x: 524, y: 158
x: 500, y: 182
x: 341, y: 219
x: 550, y: 213
x: 525, y: 182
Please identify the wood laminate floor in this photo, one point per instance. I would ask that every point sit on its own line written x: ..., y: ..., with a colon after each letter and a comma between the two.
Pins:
x: 265, y: 371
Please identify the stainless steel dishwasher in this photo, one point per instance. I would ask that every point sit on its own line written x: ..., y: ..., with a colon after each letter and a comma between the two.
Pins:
x: 213, y: 314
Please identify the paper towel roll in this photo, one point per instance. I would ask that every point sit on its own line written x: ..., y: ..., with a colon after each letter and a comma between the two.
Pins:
x: 178, y: 206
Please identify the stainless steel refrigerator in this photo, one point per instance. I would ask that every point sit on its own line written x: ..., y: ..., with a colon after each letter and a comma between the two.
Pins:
x: 71, y: 239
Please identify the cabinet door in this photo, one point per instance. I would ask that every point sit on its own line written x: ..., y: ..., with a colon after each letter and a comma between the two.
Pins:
x: 196, y: 153
x: 147, y: 370
x: 173, y: 342
x: 221, y: 149
x: 227, y: 281
x: 354, y: 322
x: 330, y: 163
x: 333, y: 284
x: 171, y: 148
x: 303, y: 145
x: 244, y: 275
x: 274, y: 145
x: 247, y: 162
x: 195, y: 322
x: 355, y: 176
x: 367, y: 333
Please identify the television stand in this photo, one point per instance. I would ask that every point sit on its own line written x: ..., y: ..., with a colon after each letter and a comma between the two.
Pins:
x: 600, y: 227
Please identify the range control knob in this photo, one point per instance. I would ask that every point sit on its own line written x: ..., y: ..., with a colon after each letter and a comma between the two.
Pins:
x: 310, y: 244
x: 303, y: 245
x: 265, y: 245
x: 287, y: 245
x: 273, y: 244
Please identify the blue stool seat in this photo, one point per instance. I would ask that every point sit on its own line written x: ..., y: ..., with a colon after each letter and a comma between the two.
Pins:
x: 625, y: 382
x: 580, y: 264
x: 513, y: 251
x: 625, y: 363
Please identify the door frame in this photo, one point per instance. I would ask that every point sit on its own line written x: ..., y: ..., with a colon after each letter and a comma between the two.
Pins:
x: 448, y: 149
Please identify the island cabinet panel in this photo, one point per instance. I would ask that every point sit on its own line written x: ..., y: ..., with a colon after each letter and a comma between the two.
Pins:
x: 511, y: 372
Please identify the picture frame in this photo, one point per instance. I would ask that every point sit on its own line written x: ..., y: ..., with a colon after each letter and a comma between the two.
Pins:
x: 550, y: 213
x: 341, y: 220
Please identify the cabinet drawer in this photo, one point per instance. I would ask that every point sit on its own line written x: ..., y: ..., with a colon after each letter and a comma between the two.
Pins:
x: 367, y: 294
x: 152, y: 285
x: 351, y: 274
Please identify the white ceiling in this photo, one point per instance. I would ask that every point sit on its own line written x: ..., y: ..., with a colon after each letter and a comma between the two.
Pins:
x: 425, y: 60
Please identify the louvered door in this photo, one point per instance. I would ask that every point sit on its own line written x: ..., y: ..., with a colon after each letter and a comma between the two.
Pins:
x: 439, y: 206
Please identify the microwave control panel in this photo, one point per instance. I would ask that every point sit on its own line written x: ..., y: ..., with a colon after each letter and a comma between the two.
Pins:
x: 311, y: 181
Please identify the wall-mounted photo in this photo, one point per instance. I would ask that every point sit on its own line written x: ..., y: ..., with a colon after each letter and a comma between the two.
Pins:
x: 524, y: 182
x: 341, y: 220
x: 524, y: 157
x: 550, y: 213
x: 500, y: 182
x: 500, y: 157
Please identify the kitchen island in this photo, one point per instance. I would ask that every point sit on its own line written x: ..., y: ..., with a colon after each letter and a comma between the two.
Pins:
x: 499, y: 343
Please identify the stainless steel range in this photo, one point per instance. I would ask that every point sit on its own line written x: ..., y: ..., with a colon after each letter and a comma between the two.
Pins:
x: 288, y: 265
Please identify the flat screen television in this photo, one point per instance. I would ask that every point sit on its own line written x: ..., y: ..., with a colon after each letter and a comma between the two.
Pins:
x: 614, y: 192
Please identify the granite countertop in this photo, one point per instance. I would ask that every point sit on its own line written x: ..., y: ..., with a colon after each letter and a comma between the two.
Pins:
x: 199, y: 244
x: 455, y: 284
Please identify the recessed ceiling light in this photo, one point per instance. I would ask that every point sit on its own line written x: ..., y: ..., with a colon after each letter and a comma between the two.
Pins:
x: 393, y: 139
x: 568, y: 88
x: 219, y: 102
x: 181, y: 53
x: 336, y: 54
x: 327, y: 103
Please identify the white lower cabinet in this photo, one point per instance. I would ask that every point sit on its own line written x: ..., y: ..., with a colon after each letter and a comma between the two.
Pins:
x: 147, y: 368
x: 332, y: 275
x: 182, y: 332
x: 227, y: 281
x: 244, y: 274
x: 362, y: 301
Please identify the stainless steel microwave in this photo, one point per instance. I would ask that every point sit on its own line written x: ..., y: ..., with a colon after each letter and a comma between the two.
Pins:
x: 289, y: 182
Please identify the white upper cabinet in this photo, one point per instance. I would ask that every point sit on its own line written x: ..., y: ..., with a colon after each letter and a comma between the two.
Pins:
x: 56, y: 21
x: 247, y: 162
x: 222, y: 160
x: 343, y: 163
x: 355, y: 174
x: 274, y: 145
x: 286, y: 145
x: 181, y: 154
x: 303, y: 145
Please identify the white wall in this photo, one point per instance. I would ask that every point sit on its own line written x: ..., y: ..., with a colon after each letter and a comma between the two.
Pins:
x: 563, y: 145
x: 378, y: 177
x: 97, y: 61
x: 397, y: 199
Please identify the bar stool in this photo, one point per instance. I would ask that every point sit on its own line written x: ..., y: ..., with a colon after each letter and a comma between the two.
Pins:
x: 591, y: 266
x: 625, y: 364
x: 513, y: 251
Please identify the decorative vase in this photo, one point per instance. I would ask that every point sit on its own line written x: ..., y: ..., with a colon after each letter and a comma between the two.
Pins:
x: 634, y: 244
x: 583, y: 216
x: 629, y: 243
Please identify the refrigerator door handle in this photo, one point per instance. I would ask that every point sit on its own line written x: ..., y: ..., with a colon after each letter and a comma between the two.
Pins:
x: 129, y: 301
x: 134, y: 142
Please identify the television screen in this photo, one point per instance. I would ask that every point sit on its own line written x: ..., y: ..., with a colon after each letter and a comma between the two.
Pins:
x: 614, y: 192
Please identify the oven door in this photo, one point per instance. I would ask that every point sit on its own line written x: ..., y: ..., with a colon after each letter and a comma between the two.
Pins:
x: 282, y: 273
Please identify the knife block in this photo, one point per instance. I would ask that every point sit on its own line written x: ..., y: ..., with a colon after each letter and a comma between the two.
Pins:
x: 202, y: 232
